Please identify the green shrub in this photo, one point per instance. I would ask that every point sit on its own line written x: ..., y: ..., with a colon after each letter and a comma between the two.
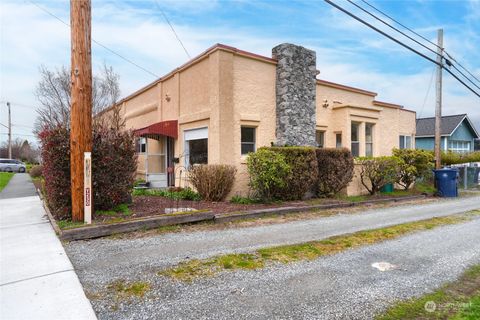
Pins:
x: 303, y: 172
x: 243, y: 200
x: 212, y: 181
x: 36, y: 171
x: 450, y: 157
x: 414, y: 165
x: 377, y: 172
x: 335, y: 170
x: 268, y: 171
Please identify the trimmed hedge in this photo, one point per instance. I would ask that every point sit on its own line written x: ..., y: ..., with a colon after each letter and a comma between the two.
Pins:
x: 114, y: 164
x: 303, y: 172
x: 335, y: 170
x: 268, y: 171
x: 450, y: 157
x: 36, y: 171
x: 212, y: 181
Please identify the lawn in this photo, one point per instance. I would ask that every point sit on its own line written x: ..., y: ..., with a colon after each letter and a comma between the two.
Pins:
x: 457, y: 300
x: 4, y: 179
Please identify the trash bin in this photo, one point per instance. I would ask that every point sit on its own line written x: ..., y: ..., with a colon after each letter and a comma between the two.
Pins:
x: 446, y: 181
x: 388, y: 188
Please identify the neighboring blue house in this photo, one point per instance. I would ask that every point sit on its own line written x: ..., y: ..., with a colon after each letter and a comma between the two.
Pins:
x: 457, y: 132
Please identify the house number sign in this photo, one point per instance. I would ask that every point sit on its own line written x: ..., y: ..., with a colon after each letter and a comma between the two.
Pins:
x: 87, y: 189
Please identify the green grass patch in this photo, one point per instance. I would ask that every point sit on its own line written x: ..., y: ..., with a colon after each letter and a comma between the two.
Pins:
x: 457, y: 300
x: 189, y: 270
x: 68, y: 224
x: 124, y: 289
x: 184, y: 194
x: 120, y: 209
x: 4, y: 179
x: 425, y: 187
x: 351, y: 198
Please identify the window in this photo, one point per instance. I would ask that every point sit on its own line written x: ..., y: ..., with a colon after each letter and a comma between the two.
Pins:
x: 248, y: 139
x: 338, y: 140
x: 141, y: 145
x: 460, y: 146
x: 196, y: 146
x: 320, y: 138
x: 369, y: 139
x: 405, y: 142
x: 355, y: 139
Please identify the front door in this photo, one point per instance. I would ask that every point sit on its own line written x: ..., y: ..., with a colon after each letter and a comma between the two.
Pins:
x: 156, y: 162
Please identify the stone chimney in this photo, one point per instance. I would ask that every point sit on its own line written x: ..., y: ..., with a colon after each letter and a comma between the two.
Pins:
x: 295, y: 94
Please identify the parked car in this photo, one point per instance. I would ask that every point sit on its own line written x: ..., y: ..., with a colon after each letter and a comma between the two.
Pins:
x: 12, y: 165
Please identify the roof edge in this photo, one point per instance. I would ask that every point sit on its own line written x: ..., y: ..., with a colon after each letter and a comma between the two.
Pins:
x: 344, y: 87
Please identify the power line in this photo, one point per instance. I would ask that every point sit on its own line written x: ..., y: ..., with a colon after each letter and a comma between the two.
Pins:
x: 96, y: 42
x: 416, y: 33
x: 427, y: 94
x: 462, y: 66
x: 173, y: 30
x: 392, y: 27
x: 465, y: 76
x: 399, y: 23
x: 401, y: 43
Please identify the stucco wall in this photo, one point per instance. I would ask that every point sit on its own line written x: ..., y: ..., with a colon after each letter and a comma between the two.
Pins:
x: 225, y: 90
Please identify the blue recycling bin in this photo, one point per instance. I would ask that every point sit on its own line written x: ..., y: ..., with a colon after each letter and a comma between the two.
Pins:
x: 446, y: 181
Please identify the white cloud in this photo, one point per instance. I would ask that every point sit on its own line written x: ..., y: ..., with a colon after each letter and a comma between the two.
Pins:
x: 29, y: 38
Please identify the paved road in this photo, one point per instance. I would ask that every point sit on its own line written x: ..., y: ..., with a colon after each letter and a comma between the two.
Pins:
x: 37, y: 280
x: 113, y: 259
x: 19, y: 186
x: 343, y: 286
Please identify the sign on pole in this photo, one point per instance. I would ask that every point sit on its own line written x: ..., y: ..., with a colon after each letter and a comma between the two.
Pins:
x: 87, y: 189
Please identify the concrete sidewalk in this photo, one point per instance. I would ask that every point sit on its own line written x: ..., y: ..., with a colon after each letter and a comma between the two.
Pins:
x: 37, y: 280
x: 19, y: 186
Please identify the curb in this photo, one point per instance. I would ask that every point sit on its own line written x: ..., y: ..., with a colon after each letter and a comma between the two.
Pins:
x: 97, y: 231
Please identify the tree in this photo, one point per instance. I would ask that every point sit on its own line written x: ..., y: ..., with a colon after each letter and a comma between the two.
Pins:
x: 377, y: 172
x: 414, y: 164
x: 53, y: 93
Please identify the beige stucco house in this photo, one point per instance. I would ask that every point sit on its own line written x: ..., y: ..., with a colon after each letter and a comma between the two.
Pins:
x: 227, y: 102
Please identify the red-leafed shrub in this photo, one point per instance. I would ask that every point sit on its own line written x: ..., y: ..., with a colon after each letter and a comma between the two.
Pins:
x: 114, y: 164
x: 335, y: 170
x: 55, y: 150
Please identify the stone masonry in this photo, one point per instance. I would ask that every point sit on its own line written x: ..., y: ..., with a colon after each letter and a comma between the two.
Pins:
x: 295, y: 95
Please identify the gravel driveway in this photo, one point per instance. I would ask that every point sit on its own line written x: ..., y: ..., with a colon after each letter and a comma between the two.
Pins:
x: 104, y: 260
x: 342, y: 286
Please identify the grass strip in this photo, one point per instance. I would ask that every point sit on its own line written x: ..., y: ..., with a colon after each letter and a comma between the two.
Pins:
x: 4, y: 179
x: 192, y: 269
x: 457, y: 300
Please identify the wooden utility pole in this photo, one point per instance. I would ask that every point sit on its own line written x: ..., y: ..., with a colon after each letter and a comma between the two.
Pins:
x: 81, y: 100
x: 9, y: 131
x: 438, y: 103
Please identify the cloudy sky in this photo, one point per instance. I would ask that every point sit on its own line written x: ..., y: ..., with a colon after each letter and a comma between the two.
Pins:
x: 347, y: 52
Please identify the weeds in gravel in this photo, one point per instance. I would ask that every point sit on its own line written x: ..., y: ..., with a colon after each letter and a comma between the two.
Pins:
x: 189, y: 270
x: 457, y: 300
x: 124, y: 289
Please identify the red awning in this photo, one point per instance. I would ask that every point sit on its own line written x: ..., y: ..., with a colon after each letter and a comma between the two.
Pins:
x: 165, y: 128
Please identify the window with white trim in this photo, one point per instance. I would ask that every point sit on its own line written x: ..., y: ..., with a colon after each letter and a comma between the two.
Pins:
x: 459, y: 146
x: 247, y: 140
x: 141, y: 145
x: 355, y: 138
x: 405, y: 142
x: 338, y: 140
x: 320, y: 138
x: 369, y: 139
x: 196, y: 146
